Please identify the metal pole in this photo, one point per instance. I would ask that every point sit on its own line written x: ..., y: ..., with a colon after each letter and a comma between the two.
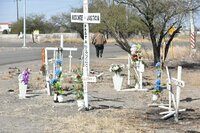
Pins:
x: 17, y: 10
x: 24, y: 45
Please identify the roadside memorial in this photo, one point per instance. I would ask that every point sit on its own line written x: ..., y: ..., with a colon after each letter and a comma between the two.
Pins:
x: 57, y: 63
x: 158, y: 88
x: 78, y: 88
x: 85, y: 18
x: 56, y: 83
x: 172, y: 106
x: 117, y: 78
x: 135, y: 61
x: 174, y: 97
x: 23, y: 80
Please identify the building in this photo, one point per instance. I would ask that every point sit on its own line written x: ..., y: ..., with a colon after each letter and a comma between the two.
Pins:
x: 5, y: 28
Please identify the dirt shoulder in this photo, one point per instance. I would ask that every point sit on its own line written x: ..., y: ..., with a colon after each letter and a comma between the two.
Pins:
x: 112, y: 111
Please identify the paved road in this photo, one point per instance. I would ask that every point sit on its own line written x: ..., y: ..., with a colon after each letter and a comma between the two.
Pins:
x: 12, y: 52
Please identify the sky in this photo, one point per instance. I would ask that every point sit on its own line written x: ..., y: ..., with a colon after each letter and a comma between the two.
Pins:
x: 8, y: 8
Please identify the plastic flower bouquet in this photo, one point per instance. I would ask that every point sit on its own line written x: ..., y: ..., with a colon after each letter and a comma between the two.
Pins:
x: 24, y: 77
x: 136, y: 54
x: 78, y: 84
x: 57, y: 86
x: 116, y: 68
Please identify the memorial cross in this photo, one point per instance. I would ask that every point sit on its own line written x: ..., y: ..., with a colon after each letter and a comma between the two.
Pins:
x: 85, y: 18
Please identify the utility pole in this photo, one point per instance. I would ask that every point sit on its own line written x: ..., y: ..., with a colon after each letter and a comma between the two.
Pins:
x: 24, y: 44
x: 17, y: 4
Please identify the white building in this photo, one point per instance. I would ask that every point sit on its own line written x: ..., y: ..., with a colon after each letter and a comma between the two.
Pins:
x: 5, y: 28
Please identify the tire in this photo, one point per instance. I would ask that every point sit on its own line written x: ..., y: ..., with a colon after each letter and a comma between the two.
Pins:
x: 5, y: 32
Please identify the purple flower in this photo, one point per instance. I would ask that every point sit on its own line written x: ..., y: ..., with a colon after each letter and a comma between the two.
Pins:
x: 25, y: 76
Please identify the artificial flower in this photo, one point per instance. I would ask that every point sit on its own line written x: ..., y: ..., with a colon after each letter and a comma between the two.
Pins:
x: 25, y: 76
x: 58, y: 62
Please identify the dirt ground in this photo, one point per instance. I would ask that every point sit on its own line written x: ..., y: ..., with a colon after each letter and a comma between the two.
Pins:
x: 112, y: 111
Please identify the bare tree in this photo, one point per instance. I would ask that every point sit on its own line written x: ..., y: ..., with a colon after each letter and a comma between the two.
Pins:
x: 159, y: 16
x: 118, y: 22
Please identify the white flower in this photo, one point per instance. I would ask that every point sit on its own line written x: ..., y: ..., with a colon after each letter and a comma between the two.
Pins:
x: 133, y: 49
x: 116, y: 68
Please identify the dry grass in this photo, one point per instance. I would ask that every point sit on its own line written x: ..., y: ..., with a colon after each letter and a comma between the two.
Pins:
x: 66, y: 40
x: 191, y: 79
x: 178, y: 54
x: 175, y: 53
x: 112, y: 122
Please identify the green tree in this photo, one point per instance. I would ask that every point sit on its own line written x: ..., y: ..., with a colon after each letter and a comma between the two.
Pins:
x: 78, y: 27
x: 33, y: 22
x: 17, y: 26
x: 61, y: 22
x: 36, y: 22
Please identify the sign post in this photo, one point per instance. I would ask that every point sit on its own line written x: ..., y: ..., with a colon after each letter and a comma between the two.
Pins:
x: 85, y: 18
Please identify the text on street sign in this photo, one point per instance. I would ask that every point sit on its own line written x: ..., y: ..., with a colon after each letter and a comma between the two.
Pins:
x: 85, y: 17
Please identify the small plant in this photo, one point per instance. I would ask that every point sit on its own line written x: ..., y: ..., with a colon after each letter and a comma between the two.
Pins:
x: 156, y: 92
x: 116, y: 68
x: 56, y: 82
x: 78, y: 91
x: 78, y: 84
x: 57, y: 86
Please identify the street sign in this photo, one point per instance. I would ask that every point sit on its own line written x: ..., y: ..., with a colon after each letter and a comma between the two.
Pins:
x: 85, y: 17
x: 177, y: 82
x: 89, y: 79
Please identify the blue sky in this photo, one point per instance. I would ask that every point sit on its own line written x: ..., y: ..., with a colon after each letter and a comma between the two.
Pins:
x: 8, y: 8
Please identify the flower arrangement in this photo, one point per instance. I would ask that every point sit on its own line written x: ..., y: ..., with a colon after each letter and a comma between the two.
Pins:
x: 78, y: 84
x: 136, y: 53
x: 157, y: 89
x: 24, y: 77
x: 116, y: 68
x: 57, y: 86
x: 56, y: 82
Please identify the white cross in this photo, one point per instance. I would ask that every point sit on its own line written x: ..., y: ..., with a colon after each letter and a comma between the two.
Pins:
x: 85, y: 18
